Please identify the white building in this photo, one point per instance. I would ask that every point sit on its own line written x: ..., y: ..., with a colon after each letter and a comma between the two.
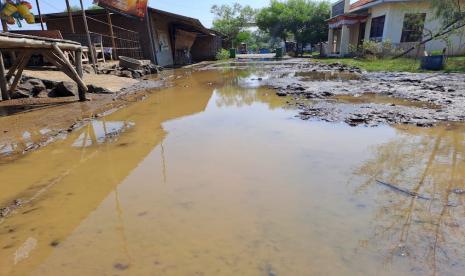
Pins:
x: 403, y: 22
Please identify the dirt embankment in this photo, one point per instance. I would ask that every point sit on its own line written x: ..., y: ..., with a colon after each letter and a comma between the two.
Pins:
x: 29, y: 123
x: 338, y: 93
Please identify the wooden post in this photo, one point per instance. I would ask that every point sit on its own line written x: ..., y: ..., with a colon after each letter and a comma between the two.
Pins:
x: 70, y: 17
x: 3, y: 86
x: 113, y: 42
x: 89, y: 41
x: 150, y: 31
x: 4, y: 26
x: 78, y: 61
x: 24, y: 60
x: 82, y: 86
x: 40, y: 15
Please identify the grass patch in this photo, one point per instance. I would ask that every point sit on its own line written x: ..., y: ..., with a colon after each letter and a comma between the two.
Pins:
x: 454, y: 64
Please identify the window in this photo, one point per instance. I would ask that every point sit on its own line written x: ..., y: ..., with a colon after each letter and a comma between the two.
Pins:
x: 377, y: 28
x: 414, y: 23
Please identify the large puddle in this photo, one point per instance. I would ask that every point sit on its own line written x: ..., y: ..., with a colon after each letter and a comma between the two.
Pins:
x: 215, y: 176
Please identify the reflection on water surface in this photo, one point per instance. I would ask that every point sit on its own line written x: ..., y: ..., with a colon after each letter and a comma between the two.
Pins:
x: 216, y: 176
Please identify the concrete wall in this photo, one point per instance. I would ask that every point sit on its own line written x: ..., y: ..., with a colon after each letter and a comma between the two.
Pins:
x: 395, y: 14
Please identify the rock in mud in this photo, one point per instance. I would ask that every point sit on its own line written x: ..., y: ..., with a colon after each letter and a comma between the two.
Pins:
x: 98, y: 90
x: 126, y: 74
x: 64, y: 89
x: 21, y: 94
x: 4, y: 212
x: 38, y: 86
x: 120, y: 266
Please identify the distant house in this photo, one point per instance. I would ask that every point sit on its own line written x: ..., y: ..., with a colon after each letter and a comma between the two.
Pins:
x: 168, y: 39
x: 403, y: 23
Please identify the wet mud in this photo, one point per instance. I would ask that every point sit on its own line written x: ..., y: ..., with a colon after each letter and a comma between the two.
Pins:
x: 28, y: 124
x: 340, y: 93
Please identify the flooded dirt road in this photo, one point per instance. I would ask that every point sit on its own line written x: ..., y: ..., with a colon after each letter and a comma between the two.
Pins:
x: 217, y: 176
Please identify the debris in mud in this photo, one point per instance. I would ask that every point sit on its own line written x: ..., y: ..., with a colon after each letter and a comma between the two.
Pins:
x: 459, y: 191
x: 6, y: 211
x: 120, y: 266
x: 402, y: 190
x: 402, y: 250
x: 55, y: 243
x: 412, y: 193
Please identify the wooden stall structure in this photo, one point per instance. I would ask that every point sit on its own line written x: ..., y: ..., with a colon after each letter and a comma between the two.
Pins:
x: 53, y: 49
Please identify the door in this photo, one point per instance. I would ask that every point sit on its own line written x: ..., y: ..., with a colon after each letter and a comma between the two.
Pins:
x: 164, y: 53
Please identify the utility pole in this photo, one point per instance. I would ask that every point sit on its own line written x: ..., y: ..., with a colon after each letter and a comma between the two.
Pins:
x: 70, y: 16
x: 89, y: 40
x: 40, y: 15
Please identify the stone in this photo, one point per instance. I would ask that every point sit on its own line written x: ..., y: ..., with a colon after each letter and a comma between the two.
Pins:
x: 37, y: 85
x: 64, y: 89
x: 20, y: 94
x: 281, y: 94
x: 49, y: 84
x: 126, y: 74
x: 97, y: 90
x: 137, y: 74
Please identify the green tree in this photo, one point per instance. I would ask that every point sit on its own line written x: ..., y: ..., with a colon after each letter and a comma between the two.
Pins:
x: 305, y: 20
x: 273, y: 20
x: 231, y: 20
x: 73, y: 8
x: 94, y: 7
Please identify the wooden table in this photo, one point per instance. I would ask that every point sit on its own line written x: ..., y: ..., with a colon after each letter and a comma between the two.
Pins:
x: 52, y: 49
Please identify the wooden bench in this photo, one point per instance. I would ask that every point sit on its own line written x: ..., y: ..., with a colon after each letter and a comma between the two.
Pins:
x: 56, y: 34
x: 52, y: 49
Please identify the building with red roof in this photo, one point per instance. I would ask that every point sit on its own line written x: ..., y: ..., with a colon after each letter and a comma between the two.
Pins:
x: 402, y: 22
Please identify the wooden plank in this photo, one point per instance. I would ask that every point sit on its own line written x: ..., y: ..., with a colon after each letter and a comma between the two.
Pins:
x: 3, y: 83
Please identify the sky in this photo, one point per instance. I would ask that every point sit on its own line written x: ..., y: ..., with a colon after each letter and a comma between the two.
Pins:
x: 199, y: 9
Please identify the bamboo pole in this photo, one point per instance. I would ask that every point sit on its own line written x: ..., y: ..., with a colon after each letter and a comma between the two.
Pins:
x: 80, y: 82
x: 89, y: 41
x: 78, y: 61
x: 150, y: 30
x: 4, y: 26
x: 3, y: 84
x: 40, y: 15
x: 113, y: 42
x: 70, y: 16
x: 24, y: 60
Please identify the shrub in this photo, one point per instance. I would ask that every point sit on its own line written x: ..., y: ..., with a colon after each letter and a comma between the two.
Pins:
x: 222, y: 54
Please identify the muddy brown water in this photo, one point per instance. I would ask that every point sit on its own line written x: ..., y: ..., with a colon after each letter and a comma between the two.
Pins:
x: 216, y: 176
